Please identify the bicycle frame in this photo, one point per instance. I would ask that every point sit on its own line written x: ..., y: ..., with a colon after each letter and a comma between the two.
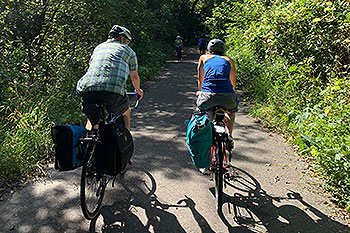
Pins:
x: 92, y: 183
x: 219, y: 155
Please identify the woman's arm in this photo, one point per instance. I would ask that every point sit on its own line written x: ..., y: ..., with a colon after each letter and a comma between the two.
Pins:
x: 233, y: 74
x: 200, y: 72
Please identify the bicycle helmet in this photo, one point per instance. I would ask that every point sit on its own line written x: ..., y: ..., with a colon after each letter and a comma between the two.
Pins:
x: 178, y: 37
x: 118, y: 31
x: 216, y: 45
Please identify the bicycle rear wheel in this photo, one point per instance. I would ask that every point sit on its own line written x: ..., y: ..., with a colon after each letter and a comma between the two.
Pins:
x: 92, y: 187
x: 219, y: 173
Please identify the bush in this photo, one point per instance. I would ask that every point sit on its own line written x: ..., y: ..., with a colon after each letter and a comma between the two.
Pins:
x: 293, y: 58
x: 45, y: 48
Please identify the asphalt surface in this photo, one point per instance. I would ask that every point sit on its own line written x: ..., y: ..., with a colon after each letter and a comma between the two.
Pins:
x: 162, y: 191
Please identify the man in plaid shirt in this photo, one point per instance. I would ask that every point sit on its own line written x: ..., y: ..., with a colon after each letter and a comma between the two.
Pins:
x: 105, y: 81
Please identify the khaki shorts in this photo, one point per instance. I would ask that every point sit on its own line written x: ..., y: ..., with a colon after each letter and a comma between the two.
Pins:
x: 207, y: 101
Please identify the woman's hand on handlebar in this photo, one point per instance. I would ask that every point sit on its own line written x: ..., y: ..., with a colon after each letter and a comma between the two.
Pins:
x: 197, y: 93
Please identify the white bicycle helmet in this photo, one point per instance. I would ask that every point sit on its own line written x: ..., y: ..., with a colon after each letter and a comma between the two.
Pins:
x: 118, y: 31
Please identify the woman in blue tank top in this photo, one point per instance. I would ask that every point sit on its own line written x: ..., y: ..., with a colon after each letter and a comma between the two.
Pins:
x: 217, y: 82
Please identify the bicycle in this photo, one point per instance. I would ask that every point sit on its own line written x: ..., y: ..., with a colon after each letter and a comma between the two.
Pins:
x: 202, y: 50
x: 220, y: 158
x: 93, y: 184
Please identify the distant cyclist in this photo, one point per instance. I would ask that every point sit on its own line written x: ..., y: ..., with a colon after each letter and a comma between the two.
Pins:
x: 217, y: 82
x: 202, y: 44
x: 105, y: 81
x: 178, y: 47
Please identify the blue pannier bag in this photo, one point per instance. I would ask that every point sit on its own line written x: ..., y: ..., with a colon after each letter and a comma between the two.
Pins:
x: 199, y: 139
x: 68, y: 150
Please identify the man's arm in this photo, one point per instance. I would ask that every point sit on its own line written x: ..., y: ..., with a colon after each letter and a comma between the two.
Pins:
x: 135, y: 79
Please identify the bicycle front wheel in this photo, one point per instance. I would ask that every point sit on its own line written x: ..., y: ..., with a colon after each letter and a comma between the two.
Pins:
x: 219, y: 172
x: 92, y: 187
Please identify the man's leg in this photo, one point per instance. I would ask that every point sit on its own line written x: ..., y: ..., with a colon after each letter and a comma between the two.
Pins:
x: 88, y: 125
x: 126, y: 117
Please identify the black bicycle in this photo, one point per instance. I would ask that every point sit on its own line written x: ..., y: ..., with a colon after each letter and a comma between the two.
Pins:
x: 93, y: 183
x: 221, y: 154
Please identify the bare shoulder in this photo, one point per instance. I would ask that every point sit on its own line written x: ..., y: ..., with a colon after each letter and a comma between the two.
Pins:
x: 205, y: 57
x: 227, y: 58
x: 230, y: 60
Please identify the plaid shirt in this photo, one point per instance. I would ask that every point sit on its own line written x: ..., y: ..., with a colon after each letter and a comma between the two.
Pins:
x: 110, y: 65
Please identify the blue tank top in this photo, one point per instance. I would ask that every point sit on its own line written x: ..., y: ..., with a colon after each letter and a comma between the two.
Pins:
x: 217, y: 76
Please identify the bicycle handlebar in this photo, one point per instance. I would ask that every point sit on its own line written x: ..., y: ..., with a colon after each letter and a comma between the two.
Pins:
x: 137, y: 98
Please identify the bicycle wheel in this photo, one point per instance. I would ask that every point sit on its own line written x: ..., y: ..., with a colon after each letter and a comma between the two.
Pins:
x: 92, y: 187
x: 219, y: 172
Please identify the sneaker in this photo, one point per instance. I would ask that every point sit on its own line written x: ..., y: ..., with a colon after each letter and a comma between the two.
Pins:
x: 230, y: 143
x: 204, y: 171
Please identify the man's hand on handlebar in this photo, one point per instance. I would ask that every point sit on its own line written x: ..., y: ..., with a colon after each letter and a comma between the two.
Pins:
x: 140, y: 93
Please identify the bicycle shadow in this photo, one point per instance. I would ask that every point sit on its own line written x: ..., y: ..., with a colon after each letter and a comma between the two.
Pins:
x: 251, y: 207
x: 138, y: 196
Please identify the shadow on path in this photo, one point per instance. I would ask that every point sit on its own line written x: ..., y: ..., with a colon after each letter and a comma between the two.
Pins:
x: 120, y: 215
x: 160, y: 151
x: 253, y: 208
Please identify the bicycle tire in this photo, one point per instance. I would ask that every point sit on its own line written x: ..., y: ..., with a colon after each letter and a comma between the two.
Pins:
x: 92, y: 187
x: 219, y: 173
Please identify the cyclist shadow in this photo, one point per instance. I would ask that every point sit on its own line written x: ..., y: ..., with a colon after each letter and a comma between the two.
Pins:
x: 250, y: 207
x: 138, y: 199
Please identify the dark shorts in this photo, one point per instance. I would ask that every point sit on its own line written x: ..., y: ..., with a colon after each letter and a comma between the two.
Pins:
x: 115, y: 103
x: 208, y: 100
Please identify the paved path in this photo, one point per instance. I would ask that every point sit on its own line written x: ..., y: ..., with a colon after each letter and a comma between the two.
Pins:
x: 163, y: 192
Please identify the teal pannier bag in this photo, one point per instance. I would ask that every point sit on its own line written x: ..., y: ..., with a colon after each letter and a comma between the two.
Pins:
x: 199, y: 139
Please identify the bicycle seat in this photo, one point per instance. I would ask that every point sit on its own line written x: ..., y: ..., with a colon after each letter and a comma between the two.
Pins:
x: 219, y: 113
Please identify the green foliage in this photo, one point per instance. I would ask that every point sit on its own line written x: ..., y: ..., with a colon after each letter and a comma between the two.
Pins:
x: 293, y: 58
x: 26, y: 145
x: 325, y: 133
x: 45, y: 47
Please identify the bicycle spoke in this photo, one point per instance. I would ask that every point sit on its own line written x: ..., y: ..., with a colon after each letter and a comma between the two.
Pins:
x: 92, y: 188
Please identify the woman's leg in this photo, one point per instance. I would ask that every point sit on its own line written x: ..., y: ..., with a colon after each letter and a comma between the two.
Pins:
x: 229, y: 121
